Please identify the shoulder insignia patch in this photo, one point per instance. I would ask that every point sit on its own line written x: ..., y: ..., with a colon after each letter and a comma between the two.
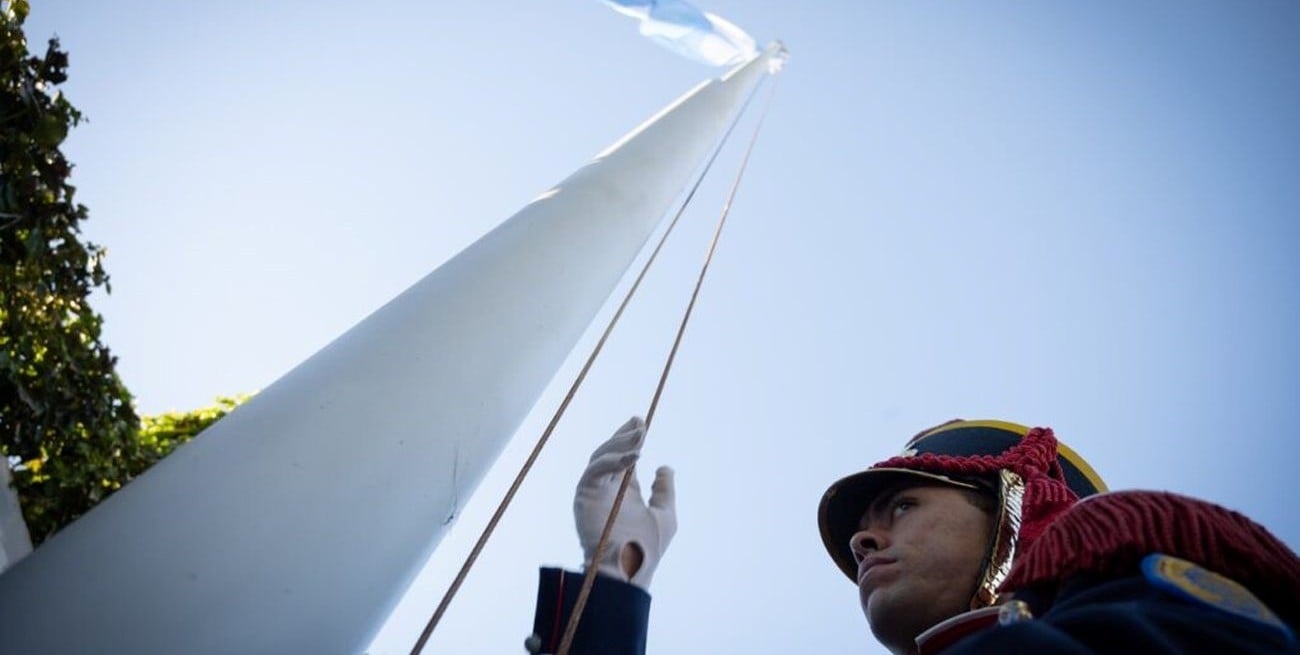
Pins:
x: 1205, y: 587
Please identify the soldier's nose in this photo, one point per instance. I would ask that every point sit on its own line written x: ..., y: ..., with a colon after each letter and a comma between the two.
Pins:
x: 865, y: 542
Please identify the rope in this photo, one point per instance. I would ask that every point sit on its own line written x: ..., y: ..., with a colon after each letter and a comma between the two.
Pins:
x: 564, y: 405
x: 590, y: 578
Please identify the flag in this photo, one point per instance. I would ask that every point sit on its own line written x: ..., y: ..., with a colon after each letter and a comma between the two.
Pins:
x: 689, y: 32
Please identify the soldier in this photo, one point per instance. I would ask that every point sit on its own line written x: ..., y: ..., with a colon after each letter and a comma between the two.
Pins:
x: 975, y: 540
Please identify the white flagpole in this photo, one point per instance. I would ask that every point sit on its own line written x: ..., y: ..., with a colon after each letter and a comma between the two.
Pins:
x: 294, y: 524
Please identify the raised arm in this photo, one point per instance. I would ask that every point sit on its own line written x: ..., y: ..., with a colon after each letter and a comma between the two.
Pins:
x: 614, y: 621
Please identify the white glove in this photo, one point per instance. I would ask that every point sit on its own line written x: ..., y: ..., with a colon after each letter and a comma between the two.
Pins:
x: 641, y: 532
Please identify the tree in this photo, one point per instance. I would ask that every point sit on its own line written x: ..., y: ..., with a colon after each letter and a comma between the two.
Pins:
x: 68, y: 428
x: 160, y: 434
x: 65, y: 416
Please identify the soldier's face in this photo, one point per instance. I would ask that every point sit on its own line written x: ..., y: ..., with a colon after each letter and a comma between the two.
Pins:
x: 919, y: 551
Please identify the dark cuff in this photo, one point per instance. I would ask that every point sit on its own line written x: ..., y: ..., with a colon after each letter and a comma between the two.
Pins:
x: 614, y: 621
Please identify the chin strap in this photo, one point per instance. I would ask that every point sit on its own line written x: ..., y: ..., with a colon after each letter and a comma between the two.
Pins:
x: 1003, y: 544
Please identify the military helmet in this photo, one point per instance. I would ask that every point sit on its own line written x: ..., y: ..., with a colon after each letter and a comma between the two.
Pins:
x: 1033, y: 477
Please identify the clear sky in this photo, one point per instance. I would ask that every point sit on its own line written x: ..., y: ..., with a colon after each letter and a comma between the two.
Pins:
x: 1080, y: 215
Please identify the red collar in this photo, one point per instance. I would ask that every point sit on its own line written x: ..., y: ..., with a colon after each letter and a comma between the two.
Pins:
x: 949, y: 631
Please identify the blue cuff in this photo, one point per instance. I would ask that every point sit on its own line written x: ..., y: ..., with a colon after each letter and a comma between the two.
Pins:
x: 614, y: 621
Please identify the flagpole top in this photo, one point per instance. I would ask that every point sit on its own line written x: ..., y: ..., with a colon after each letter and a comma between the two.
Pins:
x: 777, y: 55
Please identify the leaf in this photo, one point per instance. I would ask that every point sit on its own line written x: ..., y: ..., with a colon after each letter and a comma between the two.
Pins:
x: 19, y: 9
x: 31, y: 402
x: 50, y: 131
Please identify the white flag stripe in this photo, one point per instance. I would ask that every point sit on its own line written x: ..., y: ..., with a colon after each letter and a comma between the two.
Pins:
x: 686, y: 30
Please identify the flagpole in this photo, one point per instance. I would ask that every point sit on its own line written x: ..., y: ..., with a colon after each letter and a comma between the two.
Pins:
x: 295, y: 523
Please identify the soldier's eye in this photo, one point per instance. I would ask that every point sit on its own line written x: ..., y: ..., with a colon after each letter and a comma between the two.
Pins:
x: 902, y: 505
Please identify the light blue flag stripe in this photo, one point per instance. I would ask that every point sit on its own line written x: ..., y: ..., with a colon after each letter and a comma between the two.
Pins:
x: 684, y: 29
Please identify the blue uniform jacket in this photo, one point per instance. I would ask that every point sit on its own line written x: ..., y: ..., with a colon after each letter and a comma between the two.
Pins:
x: 1089, y: 616
x: 1096, y: 616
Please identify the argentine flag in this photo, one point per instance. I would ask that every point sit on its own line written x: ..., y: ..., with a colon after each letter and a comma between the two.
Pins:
x: 688, y: 31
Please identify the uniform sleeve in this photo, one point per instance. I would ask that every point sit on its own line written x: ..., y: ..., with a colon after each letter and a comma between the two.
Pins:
x: 614, y: 621
x: 1130, y: 617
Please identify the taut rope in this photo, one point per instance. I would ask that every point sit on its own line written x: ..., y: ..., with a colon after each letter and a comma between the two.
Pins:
x: 580, y: 604
x: 568, y: 398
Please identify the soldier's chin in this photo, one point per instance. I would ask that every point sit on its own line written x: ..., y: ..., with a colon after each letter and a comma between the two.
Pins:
x: 877, y: 579
x: 891, y: 621
x: 878, y: 600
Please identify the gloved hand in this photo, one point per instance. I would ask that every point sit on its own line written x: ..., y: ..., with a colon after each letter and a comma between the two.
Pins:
x: 641, y: 532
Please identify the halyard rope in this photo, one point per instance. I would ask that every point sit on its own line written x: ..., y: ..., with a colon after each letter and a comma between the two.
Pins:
x: 568, y: 398
x: 580, y: 604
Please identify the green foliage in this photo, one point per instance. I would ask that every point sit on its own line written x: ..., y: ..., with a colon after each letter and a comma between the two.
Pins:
x: 157, y: 437
x: 63, y: 410
x: 67, y: 426
x: 161, y: 434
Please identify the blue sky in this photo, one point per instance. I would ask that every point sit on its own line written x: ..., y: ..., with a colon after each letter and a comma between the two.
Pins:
x: 1079, y: 215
